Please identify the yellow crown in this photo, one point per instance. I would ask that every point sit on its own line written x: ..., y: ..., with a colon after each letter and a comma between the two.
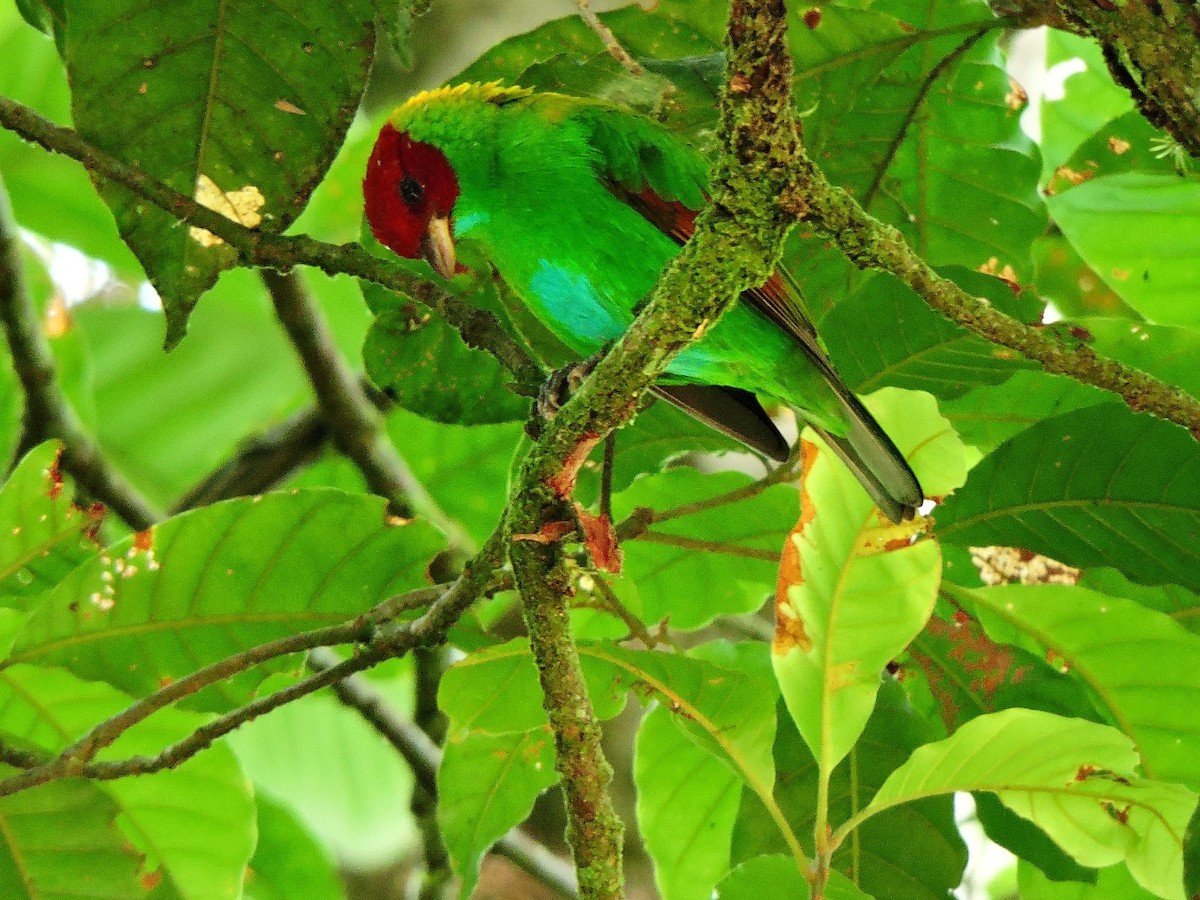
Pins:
x: 491, y: 92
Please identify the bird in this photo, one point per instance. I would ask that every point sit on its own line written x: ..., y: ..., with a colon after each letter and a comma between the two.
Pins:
x: 578, y: 204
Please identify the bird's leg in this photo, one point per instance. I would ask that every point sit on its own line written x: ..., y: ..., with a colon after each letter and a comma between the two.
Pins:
x: 562, y: 384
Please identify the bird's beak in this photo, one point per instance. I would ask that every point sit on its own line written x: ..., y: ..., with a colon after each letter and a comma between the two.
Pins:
x: 437, y: 247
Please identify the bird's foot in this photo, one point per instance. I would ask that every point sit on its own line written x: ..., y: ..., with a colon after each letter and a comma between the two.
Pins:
x: 562, y: 385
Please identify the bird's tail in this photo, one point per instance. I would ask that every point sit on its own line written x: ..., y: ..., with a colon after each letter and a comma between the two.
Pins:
x: 874, y: 460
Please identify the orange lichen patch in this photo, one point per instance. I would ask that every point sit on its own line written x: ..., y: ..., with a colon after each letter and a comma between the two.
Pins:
x: 144, y: 540
x: 739, y: 84
x: 57, y: 319
x: 1071, y: 175
x: 549, y: 533
x: 789, y: 627
x: 1005, y: 273
x: 54, y: 476
x: 842, y: 675
x: 150, y: 880
x: 563, y: 481
x: 989, y: 666
x: 1016, y: 98
x: 1117, y: 145
x: 1120, y: 274
x: 601, y: 540
x: 812, y: 18
x: 288, y: 106
x: 1014, y: 565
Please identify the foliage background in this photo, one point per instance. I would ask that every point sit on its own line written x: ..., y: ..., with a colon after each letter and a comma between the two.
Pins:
x: 910, y: 109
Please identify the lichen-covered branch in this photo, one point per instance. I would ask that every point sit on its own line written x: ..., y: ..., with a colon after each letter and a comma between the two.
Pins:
x: 737, y: 242
x: 48, y: 414
x: 870, y: 244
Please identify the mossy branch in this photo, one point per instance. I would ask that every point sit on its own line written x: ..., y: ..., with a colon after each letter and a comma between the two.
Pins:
x: 737, y: 242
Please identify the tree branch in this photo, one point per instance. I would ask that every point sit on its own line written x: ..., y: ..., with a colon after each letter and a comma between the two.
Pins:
x: 379, y: 638
x: 737, y: 243
x: 48, y: 414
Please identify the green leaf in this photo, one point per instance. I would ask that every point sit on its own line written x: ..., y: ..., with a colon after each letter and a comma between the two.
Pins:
x: 1148, y: 266
x: 926, y: 865
x: 777, y: 876
x: 1087, y: 100
x: 1073, y: 779
x: 717, y: 561
x: 487, y: 784
x: 1066, y: 281
x: 12, y: 407
x: 255, y: 97
x: 672, y: 29
x: 1026, y: 841
x: 1100, y: 486
x: 687, y: 801
x: 884, y: 334
x: 1147, y: 703
x: 908, y: 98
x: 60, y: 841
x: 493, y: 691
x: 193, y: 823
x: 342, y: 782
x: 1113, y: 883
x: 988, y: 416
x: 1180, y: 604
x: 754, y: 878
x: 46, y: 534
x: 288, y: 862
x: 853, y: 590
x: 1124, y: 144
x: 423, y: 364
x: 727, y: 709
x: 213, y: 582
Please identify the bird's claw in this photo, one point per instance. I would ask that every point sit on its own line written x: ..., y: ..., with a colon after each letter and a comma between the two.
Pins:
x: 562, y: 385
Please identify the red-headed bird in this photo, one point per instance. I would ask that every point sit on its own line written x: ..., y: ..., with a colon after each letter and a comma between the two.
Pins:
x: 579, y: 204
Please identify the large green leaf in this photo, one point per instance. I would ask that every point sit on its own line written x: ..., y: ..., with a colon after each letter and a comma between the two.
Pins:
x: 884, y: 334
x: 688, y: 841
x: 216, y: 581
x: 912, y: 111
x: 193, y: 823
x: 1158, y: 219
x: 255, y: 98
x: 853, y: 590
x: 777, y: 876
x: 60, y: 841
x: 1100, y: 486
x: 1148, y: 703
x: 487, y: 784
x: 423, y: 364
x: 1074, y: 779
x: 986, y: 417
x: 46, y: 534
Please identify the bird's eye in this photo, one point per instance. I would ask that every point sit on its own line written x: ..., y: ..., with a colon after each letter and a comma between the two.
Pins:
x: 410, y: 190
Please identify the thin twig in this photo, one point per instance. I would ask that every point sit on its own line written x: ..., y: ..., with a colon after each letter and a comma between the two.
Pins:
x: 611, y: 44
x: 428, y: 665
x: 687, y: 543
x: 354, y: 422
x: 48, y: 414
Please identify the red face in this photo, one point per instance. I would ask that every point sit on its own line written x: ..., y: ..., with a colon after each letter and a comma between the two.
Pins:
x: 408, y: 184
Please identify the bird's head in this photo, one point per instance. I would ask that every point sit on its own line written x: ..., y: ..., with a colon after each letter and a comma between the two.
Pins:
x: 410, y: 187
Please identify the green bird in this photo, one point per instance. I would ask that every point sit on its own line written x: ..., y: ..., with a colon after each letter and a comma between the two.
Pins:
x: 579, y: 204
